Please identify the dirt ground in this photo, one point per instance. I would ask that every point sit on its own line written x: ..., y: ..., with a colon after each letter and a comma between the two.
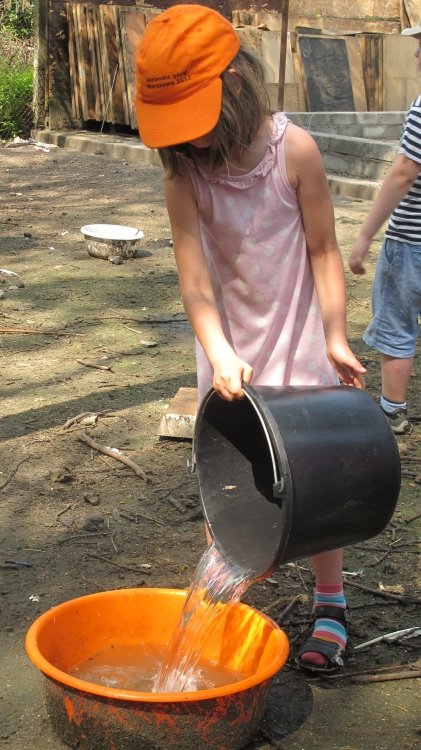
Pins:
x: 73, y: 521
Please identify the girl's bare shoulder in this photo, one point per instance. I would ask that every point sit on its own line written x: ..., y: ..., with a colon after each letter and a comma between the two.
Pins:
x: 180, y: 186
x: 300, y: 141
x: 302, y: 154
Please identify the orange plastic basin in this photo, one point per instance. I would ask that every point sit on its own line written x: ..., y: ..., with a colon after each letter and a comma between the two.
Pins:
x: 88, y: 716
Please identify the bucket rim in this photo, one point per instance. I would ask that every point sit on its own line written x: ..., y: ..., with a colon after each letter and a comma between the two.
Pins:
x: 283, y: 489
x: 69, y: 681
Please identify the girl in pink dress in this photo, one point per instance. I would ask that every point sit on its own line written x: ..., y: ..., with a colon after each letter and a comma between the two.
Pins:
x: 261, y: 274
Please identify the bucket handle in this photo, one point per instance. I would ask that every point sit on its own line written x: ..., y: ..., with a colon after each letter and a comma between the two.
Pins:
x: 279, y: 481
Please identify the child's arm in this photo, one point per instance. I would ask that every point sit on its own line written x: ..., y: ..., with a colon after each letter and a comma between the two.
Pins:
x: 197, y: 293
x: 397, y: 182
x: 307, y: 175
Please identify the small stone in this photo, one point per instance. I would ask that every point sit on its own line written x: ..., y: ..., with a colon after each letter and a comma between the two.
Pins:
x: 64, y: 477
x: 148, y: 344
x: 96, y: 522
x: 115, y: 515
x: 390, y: 569
x: 67, y: 520
x: 91, y: 499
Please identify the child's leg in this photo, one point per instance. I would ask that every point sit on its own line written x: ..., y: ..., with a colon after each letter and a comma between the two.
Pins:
x: 396, y: 374
x: 328, y: 567
x: 328, y: 593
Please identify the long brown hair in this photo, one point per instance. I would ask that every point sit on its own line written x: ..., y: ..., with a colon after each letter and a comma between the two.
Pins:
x: 245, y: 104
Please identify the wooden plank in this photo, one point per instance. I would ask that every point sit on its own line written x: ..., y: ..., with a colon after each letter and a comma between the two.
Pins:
x: 413, y: 11
x: 40, y: 63
x: 121, y: 66
x: 403, y: 15
x: 294, y: 100
x: 105, y: 56
x: 84, y: 63
x: 283, y: 54
x: 180, y: 415
x: 73, y: 67
x: 327, y: 75
x: 92, y: 24
x: 111, y: 74
x: 132, y: 27
x: 298, y: 76
x: 372, y: 62
x: 356, y: 73
x: 79, y: 61
x: 401, y: 78
x: 58, y: 86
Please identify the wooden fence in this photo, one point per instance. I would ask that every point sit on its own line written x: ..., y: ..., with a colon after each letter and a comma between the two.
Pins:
x: 102, y: 45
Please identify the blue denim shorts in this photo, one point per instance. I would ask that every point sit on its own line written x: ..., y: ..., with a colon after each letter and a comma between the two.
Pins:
x: 396, y: 300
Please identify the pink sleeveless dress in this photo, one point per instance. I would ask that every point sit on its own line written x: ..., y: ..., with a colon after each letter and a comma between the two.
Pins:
x: 253, y: 240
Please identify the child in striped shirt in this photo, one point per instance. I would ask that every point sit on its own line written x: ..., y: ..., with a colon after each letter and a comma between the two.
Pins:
x: 396, y: 290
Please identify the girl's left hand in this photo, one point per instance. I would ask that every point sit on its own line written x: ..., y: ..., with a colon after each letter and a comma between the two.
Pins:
x: 358, y: 255
x: 349, y: 369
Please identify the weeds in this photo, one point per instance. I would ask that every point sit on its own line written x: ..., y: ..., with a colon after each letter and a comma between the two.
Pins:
x: 16, y: 85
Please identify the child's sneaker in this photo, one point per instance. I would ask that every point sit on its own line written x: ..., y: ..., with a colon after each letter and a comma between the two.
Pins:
x: 398, y: 421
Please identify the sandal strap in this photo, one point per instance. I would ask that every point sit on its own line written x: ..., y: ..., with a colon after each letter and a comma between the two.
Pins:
x: 334, y: 613
x: 332, y: 651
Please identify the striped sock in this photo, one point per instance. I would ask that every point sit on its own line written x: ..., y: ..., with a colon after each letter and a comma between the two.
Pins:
x: 326, y: 628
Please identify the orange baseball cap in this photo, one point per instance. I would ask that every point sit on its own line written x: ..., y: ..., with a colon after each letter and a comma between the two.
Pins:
x: 178, y: 66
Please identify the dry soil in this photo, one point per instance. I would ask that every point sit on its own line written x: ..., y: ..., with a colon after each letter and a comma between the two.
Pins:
x: 73, y: 521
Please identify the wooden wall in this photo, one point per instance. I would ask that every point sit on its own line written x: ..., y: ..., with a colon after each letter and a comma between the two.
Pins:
x: 387, y: 83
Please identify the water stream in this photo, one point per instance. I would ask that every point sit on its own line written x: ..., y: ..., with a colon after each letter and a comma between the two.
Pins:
x: 217, y: 582
x: 180, y: 665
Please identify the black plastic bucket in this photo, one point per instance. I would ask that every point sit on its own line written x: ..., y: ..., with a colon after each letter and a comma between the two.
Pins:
x: 288, y: 472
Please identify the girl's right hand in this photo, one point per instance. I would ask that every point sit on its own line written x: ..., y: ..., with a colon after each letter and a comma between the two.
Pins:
x: 229, y: 374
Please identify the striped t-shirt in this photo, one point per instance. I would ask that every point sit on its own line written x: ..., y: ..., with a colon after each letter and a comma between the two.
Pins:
x: 405, y: 221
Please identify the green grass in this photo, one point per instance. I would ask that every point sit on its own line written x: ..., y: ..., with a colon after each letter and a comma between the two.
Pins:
x: 16, y: 85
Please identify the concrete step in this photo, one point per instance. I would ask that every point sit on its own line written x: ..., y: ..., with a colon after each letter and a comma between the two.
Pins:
x: 124, y: 148
x: 355, y: 157
x: 382, y: 126
x: 350, y: 187
x: 132, y: 150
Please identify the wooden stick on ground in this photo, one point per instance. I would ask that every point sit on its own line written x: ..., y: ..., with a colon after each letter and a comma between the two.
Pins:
x: 298, y: 598
x: 390, y: 669
x: 387, y: 677
x: 120, y: 567
x: 385, y: 594
x: 410, y: 520
x: 95, y: 367
x: 164, y: 319
x: 135, y: 517
x: 64, y: 510
x: 287, y: 609
x: 78, y: 418
x: 88, y: 537
x: 113, y: 453
x: 13, y: 472
x: 389, y: 637
x: 40, y: 333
